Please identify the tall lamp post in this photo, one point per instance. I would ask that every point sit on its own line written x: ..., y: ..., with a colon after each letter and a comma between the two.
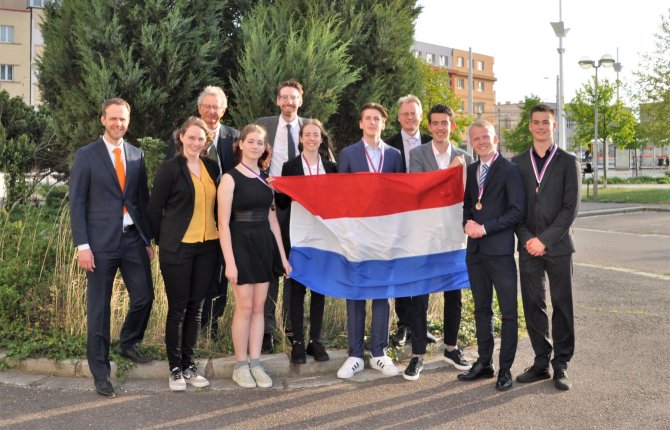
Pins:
x: 561, y: 32
x: 587, y: 63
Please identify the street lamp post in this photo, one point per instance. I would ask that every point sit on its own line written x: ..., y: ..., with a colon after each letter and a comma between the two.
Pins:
x: 587, y: 63
x: 561, y: 32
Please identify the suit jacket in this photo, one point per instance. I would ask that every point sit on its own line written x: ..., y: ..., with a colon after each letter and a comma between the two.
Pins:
x: 550, y: 213
x: 422, y: 159
x: 352, y: 159
x: 397, y: 142
x: 294, y: 168
x: 502, y: 206
x: 224, y: 147
x: 170, y: 207
x: 270, y: 124
x: 96, y: 199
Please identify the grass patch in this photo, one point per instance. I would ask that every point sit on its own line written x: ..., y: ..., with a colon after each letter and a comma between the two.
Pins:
x: 628, y: 195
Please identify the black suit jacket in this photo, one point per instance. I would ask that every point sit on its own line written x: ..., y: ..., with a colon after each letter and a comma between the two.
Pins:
x: 550, y: 213
x: 502, y: 206
x: 172, y: 197
x: 96, y: 199
x: 396, y: 142
x: 224, y: 147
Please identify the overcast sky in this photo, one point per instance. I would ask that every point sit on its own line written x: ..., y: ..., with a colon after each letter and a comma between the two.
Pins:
x: 518, y: 35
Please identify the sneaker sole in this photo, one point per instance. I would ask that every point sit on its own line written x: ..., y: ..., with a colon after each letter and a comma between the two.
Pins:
x: 198, y: 384
x: 534, y: 379
x: 456, y: 365
x: 243, y: 385
x: 179, y: 388
x: 349, y: 376
x: 411, y: 377
x: 263, y: 385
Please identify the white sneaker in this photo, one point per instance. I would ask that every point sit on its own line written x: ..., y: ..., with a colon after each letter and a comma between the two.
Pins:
x: 351, y: 365
x: 263, y: 380
x: 242, y: 375
x: 191, y: 376
x: 385, y: 365
x: 176, y: 380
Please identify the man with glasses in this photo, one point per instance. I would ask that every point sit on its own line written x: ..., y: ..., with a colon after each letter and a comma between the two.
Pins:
x: 283, y: 135
x: 212, y: 105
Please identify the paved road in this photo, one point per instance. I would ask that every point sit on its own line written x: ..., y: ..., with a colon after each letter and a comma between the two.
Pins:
x: 620, y: 371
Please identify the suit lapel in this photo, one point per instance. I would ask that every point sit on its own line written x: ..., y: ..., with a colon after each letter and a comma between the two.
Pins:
x: 187, y: 176
x: 101, y: 150
x: 547, y: 174
x: 132, y: 164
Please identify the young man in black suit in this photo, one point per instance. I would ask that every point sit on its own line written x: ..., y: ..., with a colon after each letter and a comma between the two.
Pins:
x: 552, y: 182
x: 492, y: 208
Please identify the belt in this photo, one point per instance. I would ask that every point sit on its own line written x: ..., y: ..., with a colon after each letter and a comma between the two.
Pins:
x: 128, y: 228
x: 249, y: 216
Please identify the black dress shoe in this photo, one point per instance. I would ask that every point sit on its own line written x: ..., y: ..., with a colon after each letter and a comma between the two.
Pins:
x: 401, y: 336
x: 298, y: 353
x: 430, y: 338
x: 504, y: 381
x: 532, y: 374
x: 478, y: 371
x: 104, y: 388
x: 268, y: 346
x: 134, y: 355
x: 561, y: 380
x: 317, y: 350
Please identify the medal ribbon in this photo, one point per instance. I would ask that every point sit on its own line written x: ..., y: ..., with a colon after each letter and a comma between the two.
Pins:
x: 381, y: 160
x: 256, y: 175
x: 317, y: 164
x: 539, y: 176
x: 480, y: 193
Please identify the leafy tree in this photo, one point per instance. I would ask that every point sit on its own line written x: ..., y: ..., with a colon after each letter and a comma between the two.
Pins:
x: 157, y: 54
x: 616, y: 122
x: 310, y: 51
x: 519, y: 138
x: 653, y: 82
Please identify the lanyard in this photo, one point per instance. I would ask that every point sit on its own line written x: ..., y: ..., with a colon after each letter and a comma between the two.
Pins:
x: 255, y: 174
x: 381, y: 160
x: 540, y: 175
x: 480, y: 193
x: 309, y: 168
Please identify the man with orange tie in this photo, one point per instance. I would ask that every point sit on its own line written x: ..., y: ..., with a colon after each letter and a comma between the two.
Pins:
x: 108, y: 199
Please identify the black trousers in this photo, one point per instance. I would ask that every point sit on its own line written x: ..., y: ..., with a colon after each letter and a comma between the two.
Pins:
x: 453, y: 308
x: 487, y: 272
x: 215, y: 299
x: 412, y: 314
x: 316, y: 306
x: 270, y: 317
x: 533, y: 294
x: 403, y: 311
x: 132, y: 260
x: 187, y: 275
x: 417, y: 309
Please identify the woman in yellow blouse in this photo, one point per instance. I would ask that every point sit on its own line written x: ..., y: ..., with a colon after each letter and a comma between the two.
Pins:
x: 182, y: 212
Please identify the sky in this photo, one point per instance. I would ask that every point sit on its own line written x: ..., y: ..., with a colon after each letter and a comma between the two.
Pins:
x: 518, y: 35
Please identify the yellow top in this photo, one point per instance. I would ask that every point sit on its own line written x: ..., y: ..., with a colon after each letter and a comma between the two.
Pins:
x: 203, y: 225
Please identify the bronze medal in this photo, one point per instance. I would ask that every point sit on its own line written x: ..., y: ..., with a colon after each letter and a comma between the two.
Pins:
x: 478, y: 206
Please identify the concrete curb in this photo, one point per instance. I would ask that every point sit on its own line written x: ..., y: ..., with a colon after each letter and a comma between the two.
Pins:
x: 623, y: 210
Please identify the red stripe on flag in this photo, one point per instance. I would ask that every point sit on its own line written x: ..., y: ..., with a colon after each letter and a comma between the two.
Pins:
x: 355, y: 195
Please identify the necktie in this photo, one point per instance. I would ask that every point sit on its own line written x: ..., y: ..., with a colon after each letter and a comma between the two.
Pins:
x: 120, y: 171
x: 211, y: 153
x: 291, y: 143
x: 482, y: 177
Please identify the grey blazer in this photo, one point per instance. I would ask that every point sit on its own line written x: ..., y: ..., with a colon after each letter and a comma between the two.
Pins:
x: 422, y: 159
x: 270, y: 124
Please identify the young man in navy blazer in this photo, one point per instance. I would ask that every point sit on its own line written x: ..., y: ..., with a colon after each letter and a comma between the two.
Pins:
x: 370, y: 154
x: 492, y: 208
x: 108, y: 215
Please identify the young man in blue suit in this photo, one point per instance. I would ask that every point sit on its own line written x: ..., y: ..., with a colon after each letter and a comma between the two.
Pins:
x: 493, y: 207
x: 108, y: 201
x: 370, y: 154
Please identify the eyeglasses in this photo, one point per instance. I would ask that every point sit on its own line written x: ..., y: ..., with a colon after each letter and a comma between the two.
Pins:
x: 211, y: 107
x: 409, y: 114
x: 286, y: 98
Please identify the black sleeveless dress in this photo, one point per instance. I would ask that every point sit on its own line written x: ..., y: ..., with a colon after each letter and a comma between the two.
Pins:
x: 254, y: 246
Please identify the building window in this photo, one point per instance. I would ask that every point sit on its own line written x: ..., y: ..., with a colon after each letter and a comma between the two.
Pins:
x: 480, y: 86
x: 443, y: 60
x: 460, y: 61
x: 480, y: 65
x: 461, y: 106
x: 35, y: 3
x: 480, y: 108
x: 6, y: 34
x: 429, y: 58
x: 6, y: 72
x: 460, y: 84
x: 417, y: 54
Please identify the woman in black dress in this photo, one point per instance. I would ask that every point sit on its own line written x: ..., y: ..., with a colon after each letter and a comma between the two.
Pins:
x: 315, y: 159
x: 252, y: 249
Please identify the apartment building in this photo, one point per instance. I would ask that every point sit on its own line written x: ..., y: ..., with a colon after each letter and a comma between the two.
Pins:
x: 20, y: 43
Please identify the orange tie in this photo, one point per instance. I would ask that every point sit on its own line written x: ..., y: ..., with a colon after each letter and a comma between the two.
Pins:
x: 120, y: 171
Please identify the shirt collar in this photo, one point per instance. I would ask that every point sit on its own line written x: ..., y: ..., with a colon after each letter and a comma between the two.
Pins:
x: 283, y: 123
x: 437, y: 153
x: 111, y: 147
x: 406, y: 135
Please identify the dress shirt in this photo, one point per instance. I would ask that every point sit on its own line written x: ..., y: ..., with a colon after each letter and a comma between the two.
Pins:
x: 375, y: 155
x: 280, y: 146
x: 409, y: 142
x: 443, y: 160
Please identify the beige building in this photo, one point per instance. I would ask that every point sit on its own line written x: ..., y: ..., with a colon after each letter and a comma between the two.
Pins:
x: 20, y: 43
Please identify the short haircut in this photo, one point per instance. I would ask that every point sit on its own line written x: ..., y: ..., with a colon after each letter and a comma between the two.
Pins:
x: 482, y: 123
x: 376, y: 106
x: 542, y: 108
x: 290, y: 83
x: 325, y: 149
x: 409, y: 98
x: 192, y: 120
x: 113, y: 101
x: 264, y: 161
x: 441, y: 108
x: 217, y: 92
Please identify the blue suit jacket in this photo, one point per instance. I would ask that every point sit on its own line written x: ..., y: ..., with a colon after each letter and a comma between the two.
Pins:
x: 352, y: 159
x: 502, y: 206
x: 96, y: 200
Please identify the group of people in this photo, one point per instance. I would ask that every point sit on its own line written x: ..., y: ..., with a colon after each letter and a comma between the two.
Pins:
x: 217, y: 220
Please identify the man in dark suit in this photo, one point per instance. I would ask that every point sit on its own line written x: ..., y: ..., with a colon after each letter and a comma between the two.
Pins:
x: 409, y: 117
x: 108, y: 198
x: 552, y: 183
x: 283, y: 136
x: 212, y: 105
x: 370, y: 154
x: 439, y: 153
x: 492, y: 208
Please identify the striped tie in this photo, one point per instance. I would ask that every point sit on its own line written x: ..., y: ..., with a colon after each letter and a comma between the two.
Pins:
x: 482, y: 177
